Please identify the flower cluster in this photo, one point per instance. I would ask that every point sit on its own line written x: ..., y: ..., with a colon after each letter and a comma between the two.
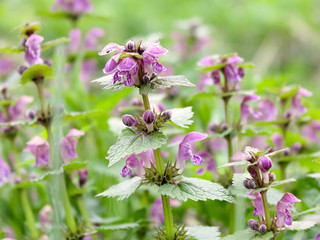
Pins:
x: 133, y: 64
x: 73, y: 7
x: 150, y: 121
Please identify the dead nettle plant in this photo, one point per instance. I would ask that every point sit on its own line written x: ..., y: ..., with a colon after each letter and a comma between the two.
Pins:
x: 136, y: 64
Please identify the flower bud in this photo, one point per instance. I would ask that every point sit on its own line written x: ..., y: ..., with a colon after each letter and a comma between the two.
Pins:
x: 241, y: 72
x: 130, y: 45
x: 263, y: 228
x: 21, y: 69
x: 286, y: 152
x: 148, y: 117
x: 224, y: 127
x: 250, y: 159
x: 288, y: 115
x: 215, y: 75
x: 212, y: 127
x: 18, y: 180
x: 167, y: 115
x: 129, y: 120
x: 265, y: 164
x: 83, y: 176
x: 272, y: 177
x: 253, y: 224
x: 146, y: 79
x: 31, y: 114
x: 250, y: 184
x: 296, y: 147
x: 161, y: 107
x: 48, y: 62
x: 252, y: 170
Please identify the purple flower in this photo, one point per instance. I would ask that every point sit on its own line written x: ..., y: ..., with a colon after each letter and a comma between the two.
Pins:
x: 317, y: 237
x: 185, y: 150
x: 296, y: 102
x: 156, y: 212
x: 247, y: 110
x: 258, y: 204
x: 142, y: 59
x: 311, y: 131
x: 15, y: 111
x: 88, y: 68
x: 148, y: 117
x: 69, y: 143
x: 277, y: 139
x: 237, y: 157
x: 40, y: 150
x: 6, y: 66
x: 5, y: 172
x: 90, y: 42
x: 33, y: 50
x: 75, y: 7
x: 75, y: 40
x: 125, y: 172
x: 44, y: 217
x: 284, y: 208
x: 210, y: 164
x: 129, y: 120
x: 268, y: 110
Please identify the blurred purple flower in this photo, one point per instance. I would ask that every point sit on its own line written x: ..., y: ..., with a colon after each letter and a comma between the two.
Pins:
x: 284, y: 208
x: 75, y: 40
x: 210, y: 164
x: 5, y: 172
x: 185, y: 150
x: 156, y: 212
x: 15, y: 111
x: 90, y: 41
x: 40, y: 150
x: 88, y: 68
x: 296, y: 102
x: 311, y: 131
x: 258, y: 204
x: 268, y: 110
x: 33, y: 50
x: 317, y: 237
x: 75, y: 7
x: 247, y: 110
x: 69, y: 143
x: 44, y: 217
x: 6, y: 66
x: 83, y: 176
x: 145, y: 57
x: 277, y: 139
x: 238, y: 157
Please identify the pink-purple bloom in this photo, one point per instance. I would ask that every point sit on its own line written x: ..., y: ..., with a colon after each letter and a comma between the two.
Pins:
x: 268, y: 110
x: 69, y: 143
x: 247, y: 110
x: 311, y: 131
x: 141, y: 60
x: 210, y: 164
x: 75, y: 7
x: 277, y: 140
x: 156, y: 213
x: 258, y: 204
x: 44, y: 217
x: 5, y: 172
x: 91, y: 40
x: 185, y: 150
x: 40, y: 150
x: 284, y: 208
x: 33, y: 50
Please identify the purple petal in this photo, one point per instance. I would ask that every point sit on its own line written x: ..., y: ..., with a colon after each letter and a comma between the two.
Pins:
x: 110, y: 66
x: 157, y: 67
x: 125, y: 172
x: 75, y: 40
x: 91, y: 41
x: 129, y: 82
x: 269, y: 111
x: 156, y: 49
x: 127, y: 64
x: 196, y: 159
x: 234, y: 60
x: 257, y: 203
x: 207, y: 61
x: 277, y: 141
x: 109, y: 48
x: 5, y: 171
x: 200, y: 171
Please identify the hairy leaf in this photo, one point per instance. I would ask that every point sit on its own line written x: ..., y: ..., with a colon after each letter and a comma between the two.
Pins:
x: 203, y: 232
x: 106, y: 82
x: 122, y: 190
x: 196, y: 189
x: 122, y: 226
x: 131, y: 142
x: 182, y: 116
x: 300, y: 225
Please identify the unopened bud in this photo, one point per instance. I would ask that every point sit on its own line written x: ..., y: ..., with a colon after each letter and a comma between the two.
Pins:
x: 265, y: 164
x: 224, y: 127
x: 18, y: 180
x: 252, y: 170
x: 263, y: 228
x: 21, y: 69
x: 161, y: 107
x: 146, y: 79
x: 253, y: 224
x: 286, y: 152
x: 288, y: 115
x: 212, y: 127
x: 249, y: 158
x: 296, y: 147
x: 250, y: 184
x: 129, y: 120
x: 148, y: 117
x: 272, y: 177
x: 167, y: 115
x: 130, y: 45
x: 83, y: 176
x: 31, y: 114
x: 215, y: 75
x: 241, y: 72
x: 48, y: 62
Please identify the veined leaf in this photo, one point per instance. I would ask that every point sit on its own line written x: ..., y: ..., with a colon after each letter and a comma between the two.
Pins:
x: 300, y: 225
x: 196, y: 189
x: 131, y: 142
x: 122, y: 190
x: 11, y: 50
x: 181, y: 116
x: 38, y: 70
x: 203, y: 232
x: 52, y: 43
x: 122, y: 226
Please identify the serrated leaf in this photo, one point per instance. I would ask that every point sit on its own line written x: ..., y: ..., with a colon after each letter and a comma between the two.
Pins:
x: 162, y: 82
x: 181, y: 116
x: 106, y: 81
x: 122, y: 226
x: 38, y: 70
x: 122, y: 190
x: 74, y: 166
x: 233, y: 164
x: 203, y: 232
x: 79, y: 115
x: 11, y: 50
x: 196, y: 189
x: 131, y: 142
x: 300, y: 225
x: 18, y: 123
x: 52, y: 43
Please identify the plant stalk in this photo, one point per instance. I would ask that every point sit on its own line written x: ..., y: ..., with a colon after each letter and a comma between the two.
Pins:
x: 266, y: 208
x: 167, y: 211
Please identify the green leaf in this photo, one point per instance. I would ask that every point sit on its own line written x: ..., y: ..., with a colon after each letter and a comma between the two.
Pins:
x: 181, y: 116
x: 80, y: 115
x: 11, y: 50
x: 131, y: 142
x: 196, y: 189
x: 202, y: 95
x: 52, y: 43
x: 290, y: 93
x: 300, y: 225
x: 106, y: 82
x: 233, y: 164
x: 233, y: 93
x: 74, y: 166
x: 214, y: 67
x: 18, y: 123
x: 29, y: 27
x: 203, y: 232
x: 38, y: 70
x: 249, y: 234
x: 165, y: 82
x: 122, y: 190
x: 122, y: 226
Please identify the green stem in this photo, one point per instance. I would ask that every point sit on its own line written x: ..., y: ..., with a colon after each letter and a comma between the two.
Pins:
x: 266, y: 208
x: 85, y: 215
x: 167, y: 211
x: 39, y: 85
